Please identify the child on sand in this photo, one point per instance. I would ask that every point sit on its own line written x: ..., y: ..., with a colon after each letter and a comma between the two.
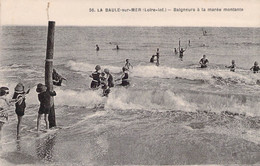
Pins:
x: 232, y: 66
x: 96, y: 78
x: 4, y: 103
x: 255, y: 68
x: 43, y: 97
x: 19, y: 99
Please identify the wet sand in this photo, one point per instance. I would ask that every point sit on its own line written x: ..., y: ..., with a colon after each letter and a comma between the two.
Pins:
x: 182, y: 140
x: 159, y: 138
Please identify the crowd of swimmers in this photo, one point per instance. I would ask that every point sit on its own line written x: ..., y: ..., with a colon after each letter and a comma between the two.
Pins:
x: 203, y: 61
x: 100, y: 79
x: 155, y: 58
x: 105, y: 81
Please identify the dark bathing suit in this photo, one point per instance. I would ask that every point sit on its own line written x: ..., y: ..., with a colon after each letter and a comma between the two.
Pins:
x: 255, y: 69
x: 96, y: 80
x: 181, y: 53
x: 19, y: 108
x: 204, y: 63
x: 152, y: 60
x: 125, y: 81
x: 232, y: 67
x: 44, y: 100
x: 57, y: 79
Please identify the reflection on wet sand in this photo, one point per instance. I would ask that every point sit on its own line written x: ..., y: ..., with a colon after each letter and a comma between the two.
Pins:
x: 1, y: 125
x: 45, y: 148
x: 18, y: 145
x: 18, y: 156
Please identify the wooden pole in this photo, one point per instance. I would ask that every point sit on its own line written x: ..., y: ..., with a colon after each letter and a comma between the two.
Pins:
x: 179, y: 46
x: 48, y: 71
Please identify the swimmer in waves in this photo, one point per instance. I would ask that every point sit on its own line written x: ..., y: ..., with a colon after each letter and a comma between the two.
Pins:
x: 255, y: 68
x: 57, y: 78
x: 203, y: 62
x: 124, y: 77
x: 232, y: 66
x: 96, y: 78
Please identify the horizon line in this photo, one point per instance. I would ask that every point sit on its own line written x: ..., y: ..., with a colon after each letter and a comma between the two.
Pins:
x: 28, y: 25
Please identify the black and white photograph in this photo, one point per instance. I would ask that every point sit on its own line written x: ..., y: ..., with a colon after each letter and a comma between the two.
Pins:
x: 129, y: 82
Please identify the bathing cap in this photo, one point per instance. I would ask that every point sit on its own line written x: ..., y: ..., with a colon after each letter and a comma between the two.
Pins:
x: 106, y: 70
x: 97, y: 67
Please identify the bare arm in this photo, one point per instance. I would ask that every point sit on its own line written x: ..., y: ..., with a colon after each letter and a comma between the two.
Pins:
x: 6, y: 101
x: 19, y: 99
x: 120, y: 77
x: 53, y: 93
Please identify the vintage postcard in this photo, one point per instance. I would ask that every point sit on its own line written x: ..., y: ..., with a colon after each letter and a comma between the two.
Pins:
x: 129, y: 82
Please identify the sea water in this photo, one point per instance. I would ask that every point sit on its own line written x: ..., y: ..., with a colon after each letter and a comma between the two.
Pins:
x: 91, y: 134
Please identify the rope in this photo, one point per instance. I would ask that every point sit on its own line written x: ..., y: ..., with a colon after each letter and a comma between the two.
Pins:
x: 47, y: 9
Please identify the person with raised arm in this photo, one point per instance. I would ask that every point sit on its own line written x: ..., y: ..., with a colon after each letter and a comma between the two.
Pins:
x: 181, y: 53
x: 20, y: 105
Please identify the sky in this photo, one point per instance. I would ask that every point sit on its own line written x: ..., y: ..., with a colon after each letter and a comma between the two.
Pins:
x: 77, y: 13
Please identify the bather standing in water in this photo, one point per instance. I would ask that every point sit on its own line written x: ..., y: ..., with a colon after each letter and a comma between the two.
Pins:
x: 57, y: 78
x: 157, y: 57
x: 255, y: 68
x: 97, y: 48
x: 128, y: 64
x: 181, y: 53
x: 232, y: 66
x: 96, y: 77
x: 203, y: 62
x: 124, y: 77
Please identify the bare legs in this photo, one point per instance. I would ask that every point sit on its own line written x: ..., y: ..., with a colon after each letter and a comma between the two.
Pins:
x: 19, y: 125
x: 39, y: 119
x: 46, y: 121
